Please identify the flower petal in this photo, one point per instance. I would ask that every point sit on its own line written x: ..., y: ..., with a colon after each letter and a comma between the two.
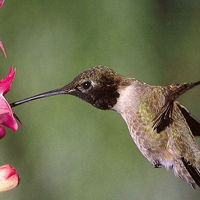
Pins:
x: 6, y: 114
x: 5, y: 84
x: 2, y: 132
x: 1, y: 45
x: 1, y: 3
x: 9, y: 178
x: 8, y: 120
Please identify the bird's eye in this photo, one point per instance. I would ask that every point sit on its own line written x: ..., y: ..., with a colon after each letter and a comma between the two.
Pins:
x: 86, y: 85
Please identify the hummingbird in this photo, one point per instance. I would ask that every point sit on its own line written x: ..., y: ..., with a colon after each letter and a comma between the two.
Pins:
x: 160, y: 126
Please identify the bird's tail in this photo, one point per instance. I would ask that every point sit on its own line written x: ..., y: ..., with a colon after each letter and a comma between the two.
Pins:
x: 193, y: 171
x: 187, y: 172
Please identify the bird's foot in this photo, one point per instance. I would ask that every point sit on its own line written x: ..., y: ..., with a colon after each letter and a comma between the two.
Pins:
x: 157, y: 165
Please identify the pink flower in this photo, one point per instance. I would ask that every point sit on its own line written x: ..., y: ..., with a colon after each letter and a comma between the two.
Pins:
x: 9, y: 178
x: 7, y: 117
x: 1, y: 3
x: 2, y: 48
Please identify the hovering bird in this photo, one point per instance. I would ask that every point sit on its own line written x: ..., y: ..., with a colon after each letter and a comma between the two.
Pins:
x: 160, y: 126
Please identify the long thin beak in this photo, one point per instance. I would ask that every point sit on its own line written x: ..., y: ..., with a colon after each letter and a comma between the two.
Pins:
x: 63, y: 90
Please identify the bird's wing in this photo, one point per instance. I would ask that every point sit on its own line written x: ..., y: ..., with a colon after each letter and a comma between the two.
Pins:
x: 164, y: 116
x: 191, y: 121
x: 183, y: 144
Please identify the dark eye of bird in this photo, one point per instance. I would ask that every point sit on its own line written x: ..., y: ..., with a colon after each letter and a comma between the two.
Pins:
x: 86, y: 85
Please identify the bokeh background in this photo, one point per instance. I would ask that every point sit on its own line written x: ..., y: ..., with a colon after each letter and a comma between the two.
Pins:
x: 68, y: 149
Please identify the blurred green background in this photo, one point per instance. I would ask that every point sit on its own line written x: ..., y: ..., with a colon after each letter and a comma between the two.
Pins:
x: 68, y: 149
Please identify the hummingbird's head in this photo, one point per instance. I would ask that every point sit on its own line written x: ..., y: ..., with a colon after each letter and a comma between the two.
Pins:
x: 97, y: 86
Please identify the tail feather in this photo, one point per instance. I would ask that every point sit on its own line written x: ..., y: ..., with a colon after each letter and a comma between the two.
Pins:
x: 194, y: 173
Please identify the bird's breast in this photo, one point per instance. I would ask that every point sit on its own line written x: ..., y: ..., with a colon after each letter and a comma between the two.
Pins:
x: 138, y: 107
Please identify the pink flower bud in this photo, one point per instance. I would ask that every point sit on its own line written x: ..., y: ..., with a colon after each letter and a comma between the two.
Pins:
x: 9, y: 178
